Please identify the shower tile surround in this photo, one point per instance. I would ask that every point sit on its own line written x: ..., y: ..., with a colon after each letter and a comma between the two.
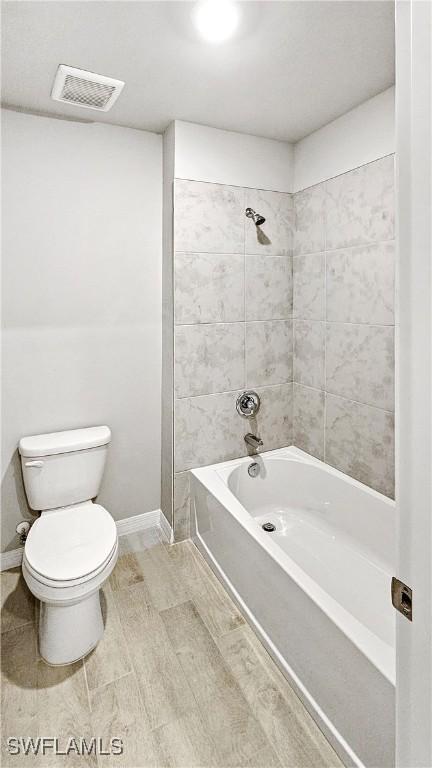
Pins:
x: 343, y: 323
x: 233, y: 325
x: 307, y: 298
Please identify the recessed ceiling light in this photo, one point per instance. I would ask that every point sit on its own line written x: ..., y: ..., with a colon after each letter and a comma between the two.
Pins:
x: 216, y: 20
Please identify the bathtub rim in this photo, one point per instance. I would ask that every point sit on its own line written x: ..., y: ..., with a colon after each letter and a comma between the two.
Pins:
x: 214, y: 478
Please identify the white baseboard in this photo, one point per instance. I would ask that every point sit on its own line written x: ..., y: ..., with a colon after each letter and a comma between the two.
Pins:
x: 138, y: 522
x: 127, y: 525
x: 166, y: 528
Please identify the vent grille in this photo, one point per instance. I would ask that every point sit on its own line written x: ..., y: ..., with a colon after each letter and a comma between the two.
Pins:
x: 82, y: 91
x: 85, y: 89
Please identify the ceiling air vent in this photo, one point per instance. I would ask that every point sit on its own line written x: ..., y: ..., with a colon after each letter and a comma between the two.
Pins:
x: 85, y: 89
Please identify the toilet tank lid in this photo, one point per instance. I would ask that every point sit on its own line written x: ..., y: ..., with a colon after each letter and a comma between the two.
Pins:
x: 64, y: 442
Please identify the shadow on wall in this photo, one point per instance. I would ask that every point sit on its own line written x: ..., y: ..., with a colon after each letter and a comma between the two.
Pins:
x: 13, y: 494
x: 262, y: 238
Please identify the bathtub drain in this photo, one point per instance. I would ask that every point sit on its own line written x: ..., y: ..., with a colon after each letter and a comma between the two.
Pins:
x: 269, y: 527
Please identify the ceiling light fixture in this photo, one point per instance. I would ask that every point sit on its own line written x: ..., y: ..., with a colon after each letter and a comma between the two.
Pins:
x: 216, y: 20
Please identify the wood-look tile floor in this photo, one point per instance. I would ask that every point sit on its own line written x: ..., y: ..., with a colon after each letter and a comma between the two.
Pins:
x: 178, y: 676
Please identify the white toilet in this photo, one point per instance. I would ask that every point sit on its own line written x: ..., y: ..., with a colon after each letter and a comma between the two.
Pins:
x: 72, y: 547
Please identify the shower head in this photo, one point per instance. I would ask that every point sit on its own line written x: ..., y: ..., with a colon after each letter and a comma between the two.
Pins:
x: 256, y: 217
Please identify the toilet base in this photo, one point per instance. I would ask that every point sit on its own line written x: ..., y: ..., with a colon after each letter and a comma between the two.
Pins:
x: 67, y: 633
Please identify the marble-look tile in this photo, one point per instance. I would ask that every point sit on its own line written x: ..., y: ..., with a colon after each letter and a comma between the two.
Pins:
x: 208, y: 218
x: 360, y: 363
x: 308, y: 420
x: 17, y: 602
x: 309, y: 353
x: 181, y: 506
x: 207, y: 429
x: 309, y: 286
x: 268, y: 287
x: 273, y: 422
x: 360, y: 284
x: 209, y: 358
x: 275, y: 236
x: 360, y: 205
x: 209, y: 288
x: 360, y: 442
x: 268, y: 352
x: 309, y: 206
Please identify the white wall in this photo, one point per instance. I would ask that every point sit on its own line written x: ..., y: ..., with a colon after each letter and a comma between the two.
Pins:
x: 362, y: 135
x: 225, y: 157
x: 82, y: 299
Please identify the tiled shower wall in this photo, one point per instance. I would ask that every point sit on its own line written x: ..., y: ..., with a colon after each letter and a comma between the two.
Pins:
x: 233, y: 325
x: 343, y: 309
x: 249, y: 314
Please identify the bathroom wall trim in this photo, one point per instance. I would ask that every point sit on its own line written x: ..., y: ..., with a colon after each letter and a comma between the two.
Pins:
x: 129, y: 525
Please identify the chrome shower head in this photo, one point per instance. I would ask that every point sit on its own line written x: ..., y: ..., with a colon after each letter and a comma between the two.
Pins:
x: 256, y: 217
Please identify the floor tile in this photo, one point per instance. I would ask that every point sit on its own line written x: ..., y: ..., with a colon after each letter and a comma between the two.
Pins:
x: 117, y: 713
x: 216, y: 609
x: 294, y: 735
x: 178, y: 676
x: 126, y: 572
x: 162, y: 584
x: 217, y: 693
x: 110, y: 659
x: 17, y: 602
x: 140, y: 540
x: 43, y: 701
x: 185, y: 743
x: 163, y: 686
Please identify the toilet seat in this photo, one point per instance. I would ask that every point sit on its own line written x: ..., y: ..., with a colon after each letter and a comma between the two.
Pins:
x: 70, y: 546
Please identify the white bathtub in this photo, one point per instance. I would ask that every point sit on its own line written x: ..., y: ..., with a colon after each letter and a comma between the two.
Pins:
x: 317, y: 589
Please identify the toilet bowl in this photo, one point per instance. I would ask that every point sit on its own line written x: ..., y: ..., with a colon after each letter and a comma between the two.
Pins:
x: 72, y: 548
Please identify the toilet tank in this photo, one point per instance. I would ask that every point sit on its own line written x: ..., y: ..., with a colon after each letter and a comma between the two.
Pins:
x: 63, y: 468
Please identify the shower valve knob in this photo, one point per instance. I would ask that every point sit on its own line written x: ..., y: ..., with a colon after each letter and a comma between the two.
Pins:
x: 248, y: 404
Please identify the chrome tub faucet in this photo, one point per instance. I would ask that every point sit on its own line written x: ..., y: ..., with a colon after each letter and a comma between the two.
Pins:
x: 253, y: 441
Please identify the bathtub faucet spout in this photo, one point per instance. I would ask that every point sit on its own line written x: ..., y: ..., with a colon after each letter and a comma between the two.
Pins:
x: 254, y: 442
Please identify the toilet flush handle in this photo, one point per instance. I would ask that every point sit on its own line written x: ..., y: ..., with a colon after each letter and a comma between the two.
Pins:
x: 34, y: 464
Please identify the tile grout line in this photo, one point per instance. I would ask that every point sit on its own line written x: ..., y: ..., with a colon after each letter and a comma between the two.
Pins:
x: 237, y: 322
x: 20, y: 626
x: 88, y: 698
x: 370, y: 244
x: 234, y: 391
x: 110, y: 682
x: 342, y: 397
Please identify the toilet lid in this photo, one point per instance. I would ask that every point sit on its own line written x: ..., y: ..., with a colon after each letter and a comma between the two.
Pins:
x: 67, y: 544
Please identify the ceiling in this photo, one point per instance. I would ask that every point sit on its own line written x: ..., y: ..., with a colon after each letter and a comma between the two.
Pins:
x: 292, y: 66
